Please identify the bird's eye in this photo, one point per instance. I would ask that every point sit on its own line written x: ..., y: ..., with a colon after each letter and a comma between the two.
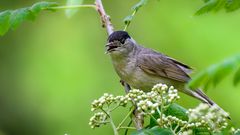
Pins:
x: 122, y: 40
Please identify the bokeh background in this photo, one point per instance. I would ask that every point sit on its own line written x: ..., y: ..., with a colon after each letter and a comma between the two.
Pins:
x: 51, y: 69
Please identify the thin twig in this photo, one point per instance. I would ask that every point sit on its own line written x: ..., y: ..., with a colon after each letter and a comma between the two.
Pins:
x: 106, y: 22
x: 128, y: 23
x: 74, y: 6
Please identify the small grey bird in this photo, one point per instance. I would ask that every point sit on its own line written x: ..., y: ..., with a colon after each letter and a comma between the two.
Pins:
x: 142, y: 68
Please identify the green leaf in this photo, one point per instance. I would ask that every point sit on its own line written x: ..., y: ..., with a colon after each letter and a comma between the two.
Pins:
x: 11, y: 19
x: 206, y: 0
x: 220, y: 73
x: 232, y: 5
x: 236, y: 78
x: 177, y: 111
x: 153, y: 122
x: 216, y: 5
x: 154, y: 131
x: 38, y: 7
x: 215, y: 73
x: 207, y: 7
x: 139, y: 4
x: 198, y: 80
x: 173, y: 110
x: 71, y: 12
x: 220, y: 5
x: 20, y: 15
x: 201, y: 131
x: 4, y: 22
x: 128, y: 19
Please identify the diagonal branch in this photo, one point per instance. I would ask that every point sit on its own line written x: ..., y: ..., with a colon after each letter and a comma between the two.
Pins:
x: 106, y: 21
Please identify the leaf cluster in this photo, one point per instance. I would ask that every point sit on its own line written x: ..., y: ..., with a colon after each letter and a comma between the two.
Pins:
x: 11, y: 19
x: 217, y: 5
x: 216, y: 73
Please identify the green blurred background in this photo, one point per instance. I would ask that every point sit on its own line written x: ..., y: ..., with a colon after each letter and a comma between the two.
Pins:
x: 51, y: 69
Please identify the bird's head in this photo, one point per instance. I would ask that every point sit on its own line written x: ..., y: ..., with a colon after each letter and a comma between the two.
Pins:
x: 119, y: 43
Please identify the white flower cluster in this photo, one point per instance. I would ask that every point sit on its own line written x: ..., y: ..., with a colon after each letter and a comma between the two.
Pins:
x: 235, y: 131
x: 212, y: 117
x: 169, y: 121
x: 188, y: 132
x: 169, y: 95
x: 107, y: 100
x: 146, y: 103
x: 202, y: 116
x: 158, y: 100
x: 98, y: 119
x: 149, y: 103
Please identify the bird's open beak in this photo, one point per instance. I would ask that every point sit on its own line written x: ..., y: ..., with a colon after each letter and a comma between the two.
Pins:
x: 111, y: 46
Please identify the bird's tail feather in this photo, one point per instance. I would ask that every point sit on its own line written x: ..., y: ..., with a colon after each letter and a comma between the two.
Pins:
x: 200, y: 95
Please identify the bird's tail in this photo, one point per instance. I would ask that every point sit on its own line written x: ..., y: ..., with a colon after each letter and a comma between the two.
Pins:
x: 200, y: 95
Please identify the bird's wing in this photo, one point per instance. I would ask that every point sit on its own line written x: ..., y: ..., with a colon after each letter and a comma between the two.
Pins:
x: 183, y: 66
x: 161, y: 65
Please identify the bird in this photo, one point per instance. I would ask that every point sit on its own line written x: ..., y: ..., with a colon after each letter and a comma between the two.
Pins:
x: 142, y: 67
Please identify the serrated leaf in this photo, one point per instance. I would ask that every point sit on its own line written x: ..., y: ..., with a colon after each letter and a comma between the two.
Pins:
x: 154, y: 131
x: 139, y: 4
x: 207, y: 7
x: 11, y: 19
x: 71, y: 12
x: 4, y: 22
x: 20, y: 15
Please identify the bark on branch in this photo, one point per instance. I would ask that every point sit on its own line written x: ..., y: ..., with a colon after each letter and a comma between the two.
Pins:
x: 106, y: 21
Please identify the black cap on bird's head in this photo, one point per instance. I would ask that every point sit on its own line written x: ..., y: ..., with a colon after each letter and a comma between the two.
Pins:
x: 117, y: 42
x: 120, y: 36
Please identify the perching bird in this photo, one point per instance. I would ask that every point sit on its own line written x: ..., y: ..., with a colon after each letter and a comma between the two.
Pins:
x: 142, y: 67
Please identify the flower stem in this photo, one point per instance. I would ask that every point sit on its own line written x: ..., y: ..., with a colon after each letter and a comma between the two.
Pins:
x: 161, y: 110
x: 125, y: 118
x: 154, y: 119
x: 74, y: 6
x: 113, y: 126
x: 133, y: 128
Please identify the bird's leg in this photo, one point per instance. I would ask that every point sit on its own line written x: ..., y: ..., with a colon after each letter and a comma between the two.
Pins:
x: 126, y: 86
x: 137, y: 117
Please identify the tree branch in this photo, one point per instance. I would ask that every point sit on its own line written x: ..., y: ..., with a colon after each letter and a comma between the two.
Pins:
x: 106, y: 21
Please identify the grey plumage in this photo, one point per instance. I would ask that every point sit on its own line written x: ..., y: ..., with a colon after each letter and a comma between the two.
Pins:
x: 142, y: 67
